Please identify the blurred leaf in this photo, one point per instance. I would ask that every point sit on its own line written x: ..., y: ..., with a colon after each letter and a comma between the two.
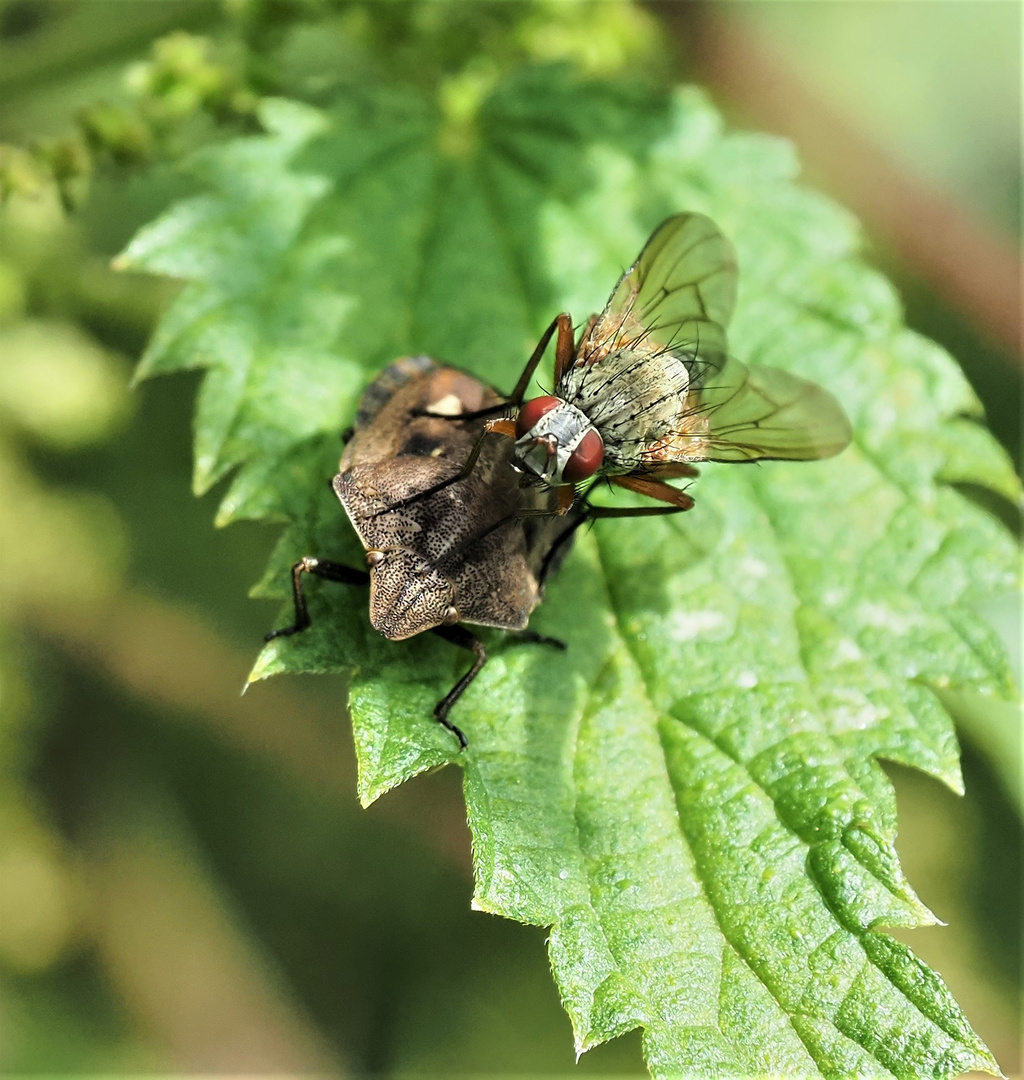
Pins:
x: 993, y: 729
x: 58, y: 385
x: 689, y: 797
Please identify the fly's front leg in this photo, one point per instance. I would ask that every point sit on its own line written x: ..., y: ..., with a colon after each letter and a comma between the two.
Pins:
x: 499, y: 427
x: 459, y: 635
x: 322, y: 568
x: 566, y: 500
x: 563, y: 324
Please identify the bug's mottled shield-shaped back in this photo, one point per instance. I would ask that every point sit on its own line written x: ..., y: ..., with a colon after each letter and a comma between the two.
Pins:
x: 459, y: 554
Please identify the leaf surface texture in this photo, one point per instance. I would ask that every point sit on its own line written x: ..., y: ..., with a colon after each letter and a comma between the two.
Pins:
x: 690, y: 796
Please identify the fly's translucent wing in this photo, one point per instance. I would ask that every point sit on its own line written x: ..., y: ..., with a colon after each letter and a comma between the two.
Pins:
x: 678, y: 296
x: 754, y: 414
x: 653, y: 373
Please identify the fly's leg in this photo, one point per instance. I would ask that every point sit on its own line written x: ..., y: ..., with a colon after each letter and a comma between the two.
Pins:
x: 516, y: 515
x: 497, y: 427
x: 563, y: 351
x: 564, y: 348
x: 563, y: 324
x: 671, y: 470
x: 566, y: 501
x: 654, y: 489
x: 322, y: 568
x: 459, y: 635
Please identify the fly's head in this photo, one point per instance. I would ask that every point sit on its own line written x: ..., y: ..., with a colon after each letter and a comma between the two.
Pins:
x: 556, y: 443
x: 407, y: 594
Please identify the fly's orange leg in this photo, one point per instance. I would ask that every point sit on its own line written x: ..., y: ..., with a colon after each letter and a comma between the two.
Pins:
x: 671, y: 470
x: 564, y: 348
x: 566, y: 495
x: 502, y: 426
x: 563, y: 352
x: 654, y: 489
x: 587, y: 331
x: 563, y: 324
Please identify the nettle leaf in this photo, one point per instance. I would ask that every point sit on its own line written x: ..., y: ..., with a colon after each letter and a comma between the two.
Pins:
x: 690, y: 796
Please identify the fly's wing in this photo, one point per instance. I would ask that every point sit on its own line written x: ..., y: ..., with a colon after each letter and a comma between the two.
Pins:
x: 756, y: 414
x: 663, y: 333
x: 677, y: 297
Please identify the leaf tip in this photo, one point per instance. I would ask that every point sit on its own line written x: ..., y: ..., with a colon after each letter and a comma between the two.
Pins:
x: 292, y: 120
x: 267, y: 664
x: 368, y: 797
x: 581, y: 1046
x: 479, y: 904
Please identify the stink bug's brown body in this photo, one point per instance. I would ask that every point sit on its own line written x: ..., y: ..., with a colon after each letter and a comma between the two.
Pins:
x: 465, y: 553
x: 475, y: 552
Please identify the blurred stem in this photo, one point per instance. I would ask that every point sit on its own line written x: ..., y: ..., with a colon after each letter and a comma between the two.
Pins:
x: 128, y: 637
x: 180, y: 958
x: 931, y: 234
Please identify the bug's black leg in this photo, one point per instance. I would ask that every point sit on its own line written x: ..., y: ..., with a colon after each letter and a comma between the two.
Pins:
x: 459, y: 635
x: 594, y: 512
x: 347, y: 434
x: 531, y: 637
x: 322, y: 568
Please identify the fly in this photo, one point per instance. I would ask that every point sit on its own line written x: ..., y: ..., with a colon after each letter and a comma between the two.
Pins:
x: 649, y: 388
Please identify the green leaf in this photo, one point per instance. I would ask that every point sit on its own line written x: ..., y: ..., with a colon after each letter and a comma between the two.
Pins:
x: 690, y: 796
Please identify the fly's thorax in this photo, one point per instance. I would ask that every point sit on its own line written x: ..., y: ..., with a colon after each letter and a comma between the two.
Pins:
x: 407, y: 594
x: 633, y: 397
x: 545, y: 447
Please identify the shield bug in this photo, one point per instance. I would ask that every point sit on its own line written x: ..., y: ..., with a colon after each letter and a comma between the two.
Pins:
x: 649, y: 387
x: 476, y: 552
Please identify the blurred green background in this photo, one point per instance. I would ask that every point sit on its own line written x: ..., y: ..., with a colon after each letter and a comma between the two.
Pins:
x: 186, y: 881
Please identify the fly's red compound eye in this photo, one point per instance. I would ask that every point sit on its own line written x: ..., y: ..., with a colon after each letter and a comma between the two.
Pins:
x: 532, y: 411
x: 585, y: 460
